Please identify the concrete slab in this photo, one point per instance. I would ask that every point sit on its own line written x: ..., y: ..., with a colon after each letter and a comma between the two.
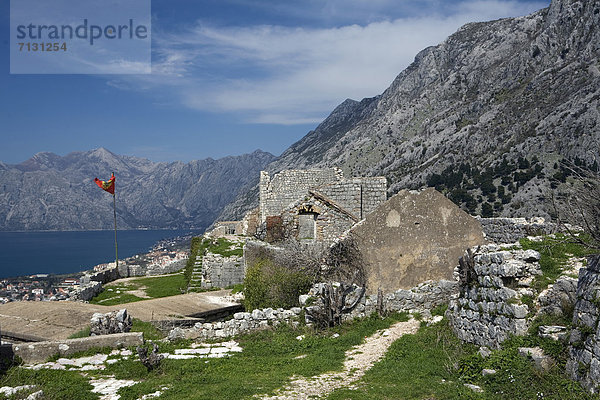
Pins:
x: 58, y: 320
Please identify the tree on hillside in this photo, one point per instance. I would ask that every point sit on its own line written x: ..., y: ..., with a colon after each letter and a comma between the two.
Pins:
x: 579, y: 203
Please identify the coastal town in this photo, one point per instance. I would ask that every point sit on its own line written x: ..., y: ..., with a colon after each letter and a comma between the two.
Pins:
x: 50, y: 287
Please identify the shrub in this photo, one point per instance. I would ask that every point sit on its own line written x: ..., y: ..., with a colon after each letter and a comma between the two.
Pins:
x: 270, y: 285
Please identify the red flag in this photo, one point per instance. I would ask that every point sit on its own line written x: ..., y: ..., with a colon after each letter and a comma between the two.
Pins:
x: 108, y: 185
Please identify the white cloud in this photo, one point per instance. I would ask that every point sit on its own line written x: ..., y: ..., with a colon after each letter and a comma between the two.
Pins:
x: 288, y: 75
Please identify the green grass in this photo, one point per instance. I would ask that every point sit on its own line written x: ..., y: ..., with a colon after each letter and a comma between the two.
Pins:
x: 163, y: 286
x: 226, y: 248
x: 420, y: 366
x: 554, y: 251
x: 64, y: 385
x: 267, y: 363
x: 106, y: 298
x: 150, y: 332
x: 431, y: 364
x: 85, y: 332
x: 434, y: 364
x: 154, y: 287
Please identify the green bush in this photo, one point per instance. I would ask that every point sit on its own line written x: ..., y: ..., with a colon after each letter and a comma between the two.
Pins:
x: 270, y: 285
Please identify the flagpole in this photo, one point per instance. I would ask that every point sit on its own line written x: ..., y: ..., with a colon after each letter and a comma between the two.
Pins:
x: 115, y: 215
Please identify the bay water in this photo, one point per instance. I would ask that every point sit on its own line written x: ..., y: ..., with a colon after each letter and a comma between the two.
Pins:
x: 28, y: 253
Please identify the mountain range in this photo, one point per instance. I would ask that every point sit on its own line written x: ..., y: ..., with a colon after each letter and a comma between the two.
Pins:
x: 50, y: 192
x: 492, y: 116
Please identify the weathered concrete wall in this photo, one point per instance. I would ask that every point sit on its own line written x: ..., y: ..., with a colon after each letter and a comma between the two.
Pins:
x: 510, y: 230
x: 40, y: 351
x: 220, y: 272
x: 414, y: 237
x: 584, y: 350
x: 489, y: 308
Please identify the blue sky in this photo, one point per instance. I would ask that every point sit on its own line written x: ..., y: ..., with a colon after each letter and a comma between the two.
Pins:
x: 229, y: 76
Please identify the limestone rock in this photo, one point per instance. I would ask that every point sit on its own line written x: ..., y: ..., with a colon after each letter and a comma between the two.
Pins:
x: 541, y: 361
x: 554, y: 332
x: 109, y: 323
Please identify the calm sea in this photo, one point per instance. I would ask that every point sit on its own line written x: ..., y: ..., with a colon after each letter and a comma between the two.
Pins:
x: 28, y: 253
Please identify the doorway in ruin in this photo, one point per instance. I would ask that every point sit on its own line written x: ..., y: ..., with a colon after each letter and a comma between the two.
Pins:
x: 307, y: 222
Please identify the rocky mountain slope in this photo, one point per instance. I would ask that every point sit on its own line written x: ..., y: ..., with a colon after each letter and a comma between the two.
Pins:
x: 50, y: 192
x: 486, y: 116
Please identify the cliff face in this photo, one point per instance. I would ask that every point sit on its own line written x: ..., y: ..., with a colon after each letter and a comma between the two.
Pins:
x: 49, y: 192
x: 507, y: 98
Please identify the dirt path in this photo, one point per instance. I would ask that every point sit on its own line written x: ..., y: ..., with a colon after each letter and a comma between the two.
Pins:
x: 60, y: 319
x: 358, y: 360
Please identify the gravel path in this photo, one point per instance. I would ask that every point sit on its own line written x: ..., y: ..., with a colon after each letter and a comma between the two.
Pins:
x: 358, y: 360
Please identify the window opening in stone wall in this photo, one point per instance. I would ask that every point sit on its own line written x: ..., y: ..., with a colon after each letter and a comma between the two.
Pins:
x: 307, y: 225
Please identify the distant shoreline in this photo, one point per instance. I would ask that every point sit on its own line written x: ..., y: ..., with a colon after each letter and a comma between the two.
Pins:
x: 103, y: 230
x: 70, y: 253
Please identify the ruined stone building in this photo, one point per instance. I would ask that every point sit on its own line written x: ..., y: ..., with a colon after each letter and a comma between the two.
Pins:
x: 318, y: 204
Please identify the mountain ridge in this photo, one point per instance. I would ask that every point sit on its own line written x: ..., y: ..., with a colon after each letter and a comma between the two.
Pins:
x: 492, y: 98
x: 52, y: 192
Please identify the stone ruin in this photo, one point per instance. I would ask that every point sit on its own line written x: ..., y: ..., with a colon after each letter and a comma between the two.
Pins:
x: 109, y: 323
x: 316, y: 203
x: 493, y: 282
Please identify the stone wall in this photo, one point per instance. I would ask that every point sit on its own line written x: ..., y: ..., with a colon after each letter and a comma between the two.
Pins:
x: 224, y: 228
x: 285, y: 187
x: 129, y: 270
x: 87, y: 291
x: 251, y: 222
x: 328, y: 222
x: 510, y: 230
x: 103, y: 276
x: 359, y: 196
x: 242, y: 322
x: 421, y: 298
x: 220, y: 272
x: 418, y: 299
x: 584, y: 344
x: 168, y: 268
x: 489, y: 308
